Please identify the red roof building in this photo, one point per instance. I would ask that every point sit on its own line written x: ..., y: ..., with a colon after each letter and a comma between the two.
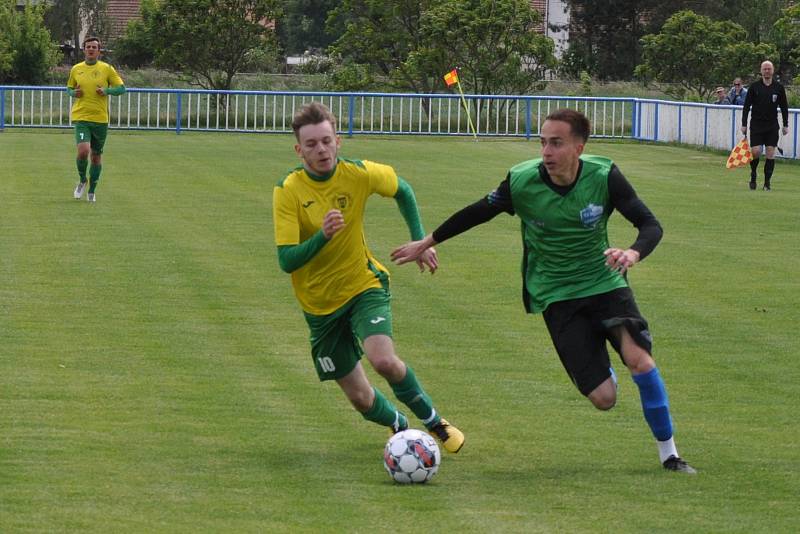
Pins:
x: 120, y: 12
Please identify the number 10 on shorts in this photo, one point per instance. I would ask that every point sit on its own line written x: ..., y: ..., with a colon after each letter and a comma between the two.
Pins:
x: 326, y: 364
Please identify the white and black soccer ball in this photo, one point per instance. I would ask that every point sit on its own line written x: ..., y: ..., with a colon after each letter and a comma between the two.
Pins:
x: 411, y: 457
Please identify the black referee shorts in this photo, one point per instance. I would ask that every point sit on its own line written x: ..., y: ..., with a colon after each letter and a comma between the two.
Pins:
x: 580, y: 328
x: 768, y: 138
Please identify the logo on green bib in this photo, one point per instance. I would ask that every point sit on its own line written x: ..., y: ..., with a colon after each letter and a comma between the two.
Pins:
x: 591, y: 214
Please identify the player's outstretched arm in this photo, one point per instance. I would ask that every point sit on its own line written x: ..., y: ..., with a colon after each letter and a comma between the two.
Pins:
x: 417, y: 250
x: 461, y: 221
x: 428, y: 259
x: 407, y: 203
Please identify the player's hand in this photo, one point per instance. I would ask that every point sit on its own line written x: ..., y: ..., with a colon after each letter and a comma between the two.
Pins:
x: 743, y: 129
x: 78, y: 91
x: 412, y: 251
x: 621, y: 260
x: 100, y: 91
x: 785, y: 130
x: 428, y: 259
x: 332, y: 223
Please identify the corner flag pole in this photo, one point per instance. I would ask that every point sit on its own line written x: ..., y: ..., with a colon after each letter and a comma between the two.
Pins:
x: 452, y: 78
x: 466, y: 108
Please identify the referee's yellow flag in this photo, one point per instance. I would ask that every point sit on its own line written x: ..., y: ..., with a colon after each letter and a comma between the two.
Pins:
x: 740, y: 155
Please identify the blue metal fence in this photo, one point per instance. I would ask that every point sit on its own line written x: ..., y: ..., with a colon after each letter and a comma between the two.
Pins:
x: 357, y: 113
x: 388, y: 114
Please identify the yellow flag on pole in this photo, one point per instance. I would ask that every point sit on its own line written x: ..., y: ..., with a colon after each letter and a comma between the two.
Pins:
x: 451, y: 77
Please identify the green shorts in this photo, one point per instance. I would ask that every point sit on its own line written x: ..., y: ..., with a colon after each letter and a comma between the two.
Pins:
x: 91, y: 132
x: 336, y: 338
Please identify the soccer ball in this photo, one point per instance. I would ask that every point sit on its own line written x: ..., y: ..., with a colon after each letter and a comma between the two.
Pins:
x: 411, y: 457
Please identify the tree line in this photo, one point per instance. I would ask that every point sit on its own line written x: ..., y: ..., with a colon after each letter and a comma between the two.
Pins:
x: 690, y: 46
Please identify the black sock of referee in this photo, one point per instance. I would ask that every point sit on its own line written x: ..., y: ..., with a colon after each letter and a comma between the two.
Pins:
x: 769, y: 166
x: 754, y: 169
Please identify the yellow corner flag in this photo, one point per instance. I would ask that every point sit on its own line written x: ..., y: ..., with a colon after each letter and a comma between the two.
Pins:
x: 740, y: 155
x: 451, y: 78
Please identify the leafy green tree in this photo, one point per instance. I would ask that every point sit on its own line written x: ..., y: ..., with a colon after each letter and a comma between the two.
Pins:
x: 760, y: 22
x: 301, y: 26
x: 209, y: 41
x: 604, y: 36
x: 495, y: 44
x: 787, y: 37
x: 412, y: 44
x: 697, y: 53
x: 27, y: 53
x: 351, y: 77
x: 757, y: 18
x: 380, y: 35
x: 6, y: 51
x: 134, y: 48
x: 66, y: 18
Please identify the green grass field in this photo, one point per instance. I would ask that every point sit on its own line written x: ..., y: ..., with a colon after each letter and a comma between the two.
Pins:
x: 155, y: 373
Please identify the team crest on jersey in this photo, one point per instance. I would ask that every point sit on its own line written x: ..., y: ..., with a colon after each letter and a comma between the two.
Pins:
x: 341, y: 201
x: 591, y: 214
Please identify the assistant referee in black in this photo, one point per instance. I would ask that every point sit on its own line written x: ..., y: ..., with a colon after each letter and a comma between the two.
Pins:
x: 763, y: 97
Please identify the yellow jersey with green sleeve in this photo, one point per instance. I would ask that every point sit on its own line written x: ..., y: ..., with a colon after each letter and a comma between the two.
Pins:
x: 344, y: 267
x: 92, y: 107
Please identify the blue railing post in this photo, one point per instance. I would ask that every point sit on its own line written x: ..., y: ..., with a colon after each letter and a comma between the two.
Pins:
x: 2, y: 110
x: 351, y: 104
x: 528, y: 119
x: 655, y: 122
x: 633, y: 120
x: 733, y: 128
x: 680, y: 122
x: 794, y: 137
x: 639, y: 119
x: 178, y: 113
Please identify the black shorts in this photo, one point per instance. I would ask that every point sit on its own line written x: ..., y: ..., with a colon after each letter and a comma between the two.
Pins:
x: 768, y: 138
x: 580, y: 328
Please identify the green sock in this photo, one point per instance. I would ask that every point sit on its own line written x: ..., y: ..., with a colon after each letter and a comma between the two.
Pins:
x: 383, y: 412
x: 82, y: 164
x: 410, y: 393
x: 94, y: 176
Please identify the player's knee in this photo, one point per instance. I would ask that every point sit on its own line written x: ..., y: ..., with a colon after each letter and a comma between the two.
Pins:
x: 360, y: 404
x: 641, y: 365
x: 604, y: 396
x: 388, y: 366
x: 604, y: 402
x: 83, y: 152
x: 361, y: 400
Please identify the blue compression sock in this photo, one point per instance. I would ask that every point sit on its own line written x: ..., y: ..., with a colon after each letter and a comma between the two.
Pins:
x: 655, y: 403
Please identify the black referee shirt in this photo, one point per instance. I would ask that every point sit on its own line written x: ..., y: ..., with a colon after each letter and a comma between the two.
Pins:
x: 764, y: 101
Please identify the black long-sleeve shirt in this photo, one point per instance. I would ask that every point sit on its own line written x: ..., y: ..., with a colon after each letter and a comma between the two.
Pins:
x: 764, y: 101
x: 622, y: 195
